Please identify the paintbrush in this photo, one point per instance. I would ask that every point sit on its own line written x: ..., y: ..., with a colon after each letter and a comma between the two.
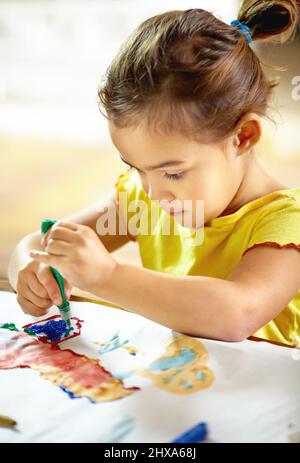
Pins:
x: 7, y: 422
x: 64, y: 308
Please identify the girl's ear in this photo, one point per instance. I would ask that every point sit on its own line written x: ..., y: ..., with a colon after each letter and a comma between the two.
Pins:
x: 245, y: 136
x: 249, y: 132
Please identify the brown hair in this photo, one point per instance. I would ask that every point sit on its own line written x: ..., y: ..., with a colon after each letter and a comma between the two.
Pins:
x: 189, y: 72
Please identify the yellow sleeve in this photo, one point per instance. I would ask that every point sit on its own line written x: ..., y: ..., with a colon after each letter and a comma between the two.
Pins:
x: 279, y: 227
x: 129, y: 185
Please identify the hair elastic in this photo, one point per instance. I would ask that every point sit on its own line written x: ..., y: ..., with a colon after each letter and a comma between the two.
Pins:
x: 244, y: 28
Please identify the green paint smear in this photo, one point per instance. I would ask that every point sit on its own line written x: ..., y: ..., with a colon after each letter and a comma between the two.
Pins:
x: 9, y: 326
x: 32, y: 333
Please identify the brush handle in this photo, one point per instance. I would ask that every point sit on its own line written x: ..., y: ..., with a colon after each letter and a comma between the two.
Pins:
x: 65, y: 306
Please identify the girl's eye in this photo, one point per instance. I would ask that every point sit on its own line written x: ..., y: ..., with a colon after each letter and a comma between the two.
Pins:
x: 168, y: 176
x: 174, y: 176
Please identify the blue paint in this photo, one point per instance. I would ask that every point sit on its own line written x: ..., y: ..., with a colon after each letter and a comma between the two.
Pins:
x: 186, y: 384
x: 123, y: 375
x: 54, y: 330
x: 185, y: 356
x: 70, y: 393
x: 200, y: 375
x: 113, y: 344
x: 119, y: 431
x: 73, y: 396
x: 193, y: 435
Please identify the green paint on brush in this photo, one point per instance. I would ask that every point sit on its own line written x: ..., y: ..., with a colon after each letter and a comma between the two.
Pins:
x: 65, y: 313
x: 68, y: 322
x: 64, y: 308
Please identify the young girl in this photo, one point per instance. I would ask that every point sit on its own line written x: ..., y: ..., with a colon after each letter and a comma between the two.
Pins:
x: 184, y: 98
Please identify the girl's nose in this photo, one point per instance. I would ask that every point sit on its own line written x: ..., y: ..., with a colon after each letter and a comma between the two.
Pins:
x: 154, y: 197
x: 157, y: 197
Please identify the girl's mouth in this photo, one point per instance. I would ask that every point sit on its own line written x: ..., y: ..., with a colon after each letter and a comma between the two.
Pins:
x: 173, y: 213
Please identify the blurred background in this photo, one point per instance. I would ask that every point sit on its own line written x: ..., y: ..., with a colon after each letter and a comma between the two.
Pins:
x: 56, y: 154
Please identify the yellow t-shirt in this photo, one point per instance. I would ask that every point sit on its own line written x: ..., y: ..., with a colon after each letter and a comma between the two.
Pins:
x: 272, y: 220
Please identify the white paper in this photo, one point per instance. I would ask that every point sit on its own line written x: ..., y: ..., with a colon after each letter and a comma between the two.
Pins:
x: 255, y: 396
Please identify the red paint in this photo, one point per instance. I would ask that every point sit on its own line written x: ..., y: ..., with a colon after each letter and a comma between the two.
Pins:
x: 25, y: 351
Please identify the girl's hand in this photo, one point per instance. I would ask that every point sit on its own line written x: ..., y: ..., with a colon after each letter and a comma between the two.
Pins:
x: 37, y: 289
x: 78, y: 254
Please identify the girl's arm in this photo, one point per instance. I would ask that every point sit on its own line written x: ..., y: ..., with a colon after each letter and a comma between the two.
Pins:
x: 195, y: 305
x: 259, y: 288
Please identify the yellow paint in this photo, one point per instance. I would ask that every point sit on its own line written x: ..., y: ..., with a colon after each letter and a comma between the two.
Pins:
x: 172, y: 380
x: 110, y: 390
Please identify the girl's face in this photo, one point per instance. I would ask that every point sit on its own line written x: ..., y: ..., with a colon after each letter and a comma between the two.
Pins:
x: 174, y: 168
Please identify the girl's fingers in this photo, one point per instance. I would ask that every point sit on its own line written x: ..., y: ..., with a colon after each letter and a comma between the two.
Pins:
x: 60, y: 230
x: 57, y: 248
x: 60, y: 233
x: 37, y: 301
x: 36, y: 287
x: 46, y: 278
x: 40, y: 256
x: 68, y: 288
x: 67, y: 284
x: 70, y: 225
x: 44, y: 238
x: 29, y: 308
